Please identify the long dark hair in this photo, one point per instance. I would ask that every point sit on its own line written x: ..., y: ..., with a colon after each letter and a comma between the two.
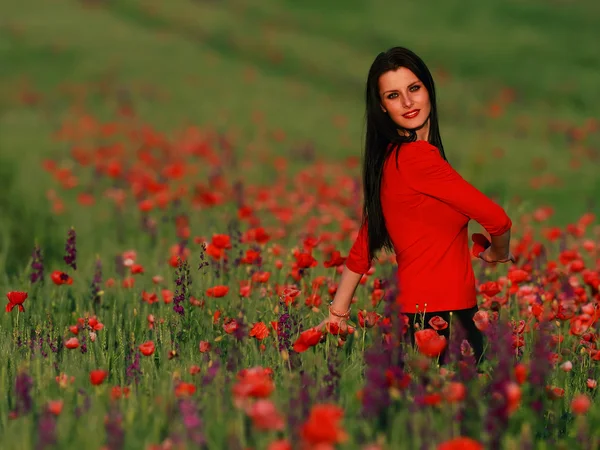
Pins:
x: 382, y: 138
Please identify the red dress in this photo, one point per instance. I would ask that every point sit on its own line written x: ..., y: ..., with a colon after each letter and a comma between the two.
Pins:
x: 427, y: 206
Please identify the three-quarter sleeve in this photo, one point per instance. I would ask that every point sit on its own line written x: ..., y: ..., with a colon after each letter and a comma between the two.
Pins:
x: 358, y: 260
x: 426, y: 171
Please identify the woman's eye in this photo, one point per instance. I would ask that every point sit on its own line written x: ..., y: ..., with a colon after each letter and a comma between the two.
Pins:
x: 391, y: 96
x: 414, y: 88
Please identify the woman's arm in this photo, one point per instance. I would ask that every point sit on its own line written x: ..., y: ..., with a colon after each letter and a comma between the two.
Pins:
x: 341, y: 301
x: 345, y: 290
x: 500, y: 247
x: 425, y: 171
x: 357, y: 263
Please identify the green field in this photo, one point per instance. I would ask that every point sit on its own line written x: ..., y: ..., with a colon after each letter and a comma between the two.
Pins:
x: 519, y: 111
x: 302, y: 64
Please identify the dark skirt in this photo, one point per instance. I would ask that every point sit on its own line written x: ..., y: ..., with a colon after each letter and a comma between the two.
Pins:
x: 465, y: 318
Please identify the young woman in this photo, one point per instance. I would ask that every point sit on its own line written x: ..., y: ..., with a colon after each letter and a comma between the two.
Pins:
x: 416, y: 204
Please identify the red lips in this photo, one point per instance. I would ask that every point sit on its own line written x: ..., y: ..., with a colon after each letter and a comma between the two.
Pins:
x: 411, y: 114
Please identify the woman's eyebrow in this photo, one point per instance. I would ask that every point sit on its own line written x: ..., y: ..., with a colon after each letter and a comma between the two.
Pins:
x: 396, y: 90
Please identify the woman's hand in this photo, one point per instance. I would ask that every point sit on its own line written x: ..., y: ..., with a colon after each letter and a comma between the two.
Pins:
x: 337, y: 326
x: 490, y: 256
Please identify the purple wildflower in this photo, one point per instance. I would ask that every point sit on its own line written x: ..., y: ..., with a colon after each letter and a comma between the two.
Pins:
x: 41, y: 345
x: 71, y: 249
x: 299, y: 405
x: 97, y: 282
x: 55, y: 344
x: 383, y: 359
x: 241, y: 332
x: 46, y: 431
x: 192, y: 422
x: 233, y: 229
x: 83, y: 346
x: 203, y: 261
x: 500, y: 339
x: 540, y: 366
x: 376, y: 395
x: 181, y: 290
x: 286, y: 326
x: 115, y: 435
x: 23, y: 385
x: 211, y: 372
x: 87, y: 403
x: 329, y: 391
x: 37, y: 265
x: 461, y: 352
x: 133, y: 371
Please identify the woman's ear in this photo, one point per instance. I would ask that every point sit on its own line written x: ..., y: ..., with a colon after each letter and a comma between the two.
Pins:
x: 383, y: 109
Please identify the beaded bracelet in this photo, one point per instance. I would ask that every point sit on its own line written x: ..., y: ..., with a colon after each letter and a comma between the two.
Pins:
x: 345, y: 315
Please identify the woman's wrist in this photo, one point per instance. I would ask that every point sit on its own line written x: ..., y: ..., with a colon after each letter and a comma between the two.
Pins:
x: 338, y: 312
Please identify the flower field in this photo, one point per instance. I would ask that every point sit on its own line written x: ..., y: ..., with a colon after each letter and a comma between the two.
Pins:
x: 162, y: 275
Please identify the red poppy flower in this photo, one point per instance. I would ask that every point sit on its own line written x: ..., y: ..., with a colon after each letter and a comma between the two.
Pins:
x: 259, y: 331
x: 265, y: 416
x: 580, y: 404
x: 15, y: 298
x: 480, y: 243
x: 460, y: 443
x: 305, y: 260
x: 455, y: 392
x: 334, y: 329
x: 217, y: 291
x: 438, y: 323
x: 513, y: 397
x: 490, y: 288
x: 136, y: 269
x: 97, y: 376
x: 323, y: 427
x: 55, y: 407
x: 255, y: 382
x: 482, y: 320
x: 128, y: 282
x: 94, y: 324
x: 307, y: 339
x: 429, y: 342
x: 118, y: 392
x: 230, y: 325
x: 261, y: 277
x: 221, y: 241
x: 167, y: 296
x: 520, y: 372
x: 59, y: 278
x: 204, y: 346
x: 72, y: 343
x: 368, y: 318
x: 147, y: 348
x: 517, y: 276
x: 335, y: 260
x: 184, y: 389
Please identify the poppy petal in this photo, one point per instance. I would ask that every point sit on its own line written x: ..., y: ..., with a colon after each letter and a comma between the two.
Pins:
x: 480, y: 243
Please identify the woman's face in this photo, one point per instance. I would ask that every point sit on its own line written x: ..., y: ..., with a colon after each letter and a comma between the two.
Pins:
x: 404, y: 98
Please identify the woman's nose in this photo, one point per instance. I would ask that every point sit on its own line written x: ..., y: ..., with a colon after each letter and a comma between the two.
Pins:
x: 407, y: 101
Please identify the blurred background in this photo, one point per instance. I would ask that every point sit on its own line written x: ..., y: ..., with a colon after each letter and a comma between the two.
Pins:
x: 517, y: 86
